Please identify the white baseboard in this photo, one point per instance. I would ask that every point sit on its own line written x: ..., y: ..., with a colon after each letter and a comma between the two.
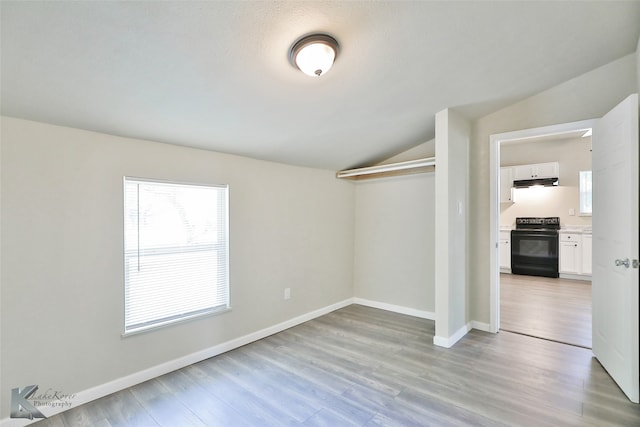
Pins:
x: 442, y: 342
x: 450, y: 341
x: 116, y: 385
x: 575, y: 276
x: 396, y: 308
x: 481, y: 326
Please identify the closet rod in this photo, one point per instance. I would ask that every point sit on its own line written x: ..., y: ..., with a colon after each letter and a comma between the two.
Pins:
x: 392, y: 167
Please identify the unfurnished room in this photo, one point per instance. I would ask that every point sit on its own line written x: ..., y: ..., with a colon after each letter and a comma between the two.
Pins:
x: 319, y: 213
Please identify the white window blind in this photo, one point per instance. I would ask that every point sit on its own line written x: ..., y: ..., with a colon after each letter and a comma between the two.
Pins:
x: 176, y: 252
x: 586, y: 191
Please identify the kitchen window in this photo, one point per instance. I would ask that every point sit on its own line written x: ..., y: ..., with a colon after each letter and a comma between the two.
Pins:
x: 176, y: 252
x: 585, y: 193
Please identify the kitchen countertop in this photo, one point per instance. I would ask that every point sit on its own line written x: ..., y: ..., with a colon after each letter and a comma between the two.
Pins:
x: 578, y: 229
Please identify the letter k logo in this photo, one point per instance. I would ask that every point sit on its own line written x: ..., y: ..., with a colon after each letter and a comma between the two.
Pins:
x: 21, y: 407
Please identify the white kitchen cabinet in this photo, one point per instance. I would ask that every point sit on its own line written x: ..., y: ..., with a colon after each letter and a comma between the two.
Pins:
x: 586, y: 254
x: 536, y: 171
x: 570, y: 253
x: 505, y: 251
x: 506, y: 185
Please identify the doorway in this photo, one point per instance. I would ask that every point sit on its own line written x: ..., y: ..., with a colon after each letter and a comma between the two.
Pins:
x: 615, y: 238
x: 497, y: 140
x: 534, y: 301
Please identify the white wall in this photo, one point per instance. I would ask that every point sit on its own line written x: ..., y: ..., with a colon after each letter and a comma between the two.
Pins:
x: 62, y: 239
x: 584, y: 97
x: 573, y: 156
x: 394, y: 241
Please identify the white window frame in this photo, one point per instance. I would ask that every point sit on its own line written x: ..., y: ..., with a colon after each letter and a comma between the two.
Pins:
x: 133, y: 254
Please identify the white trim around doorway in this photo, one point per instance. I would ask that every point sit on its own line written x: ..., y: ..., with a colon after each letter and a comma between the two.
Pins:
x: 494, y: 201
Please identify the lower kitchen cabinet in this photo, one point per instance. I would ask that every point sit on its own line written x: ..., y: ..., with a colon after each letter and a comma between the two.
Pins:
x: 586, y: 253
x: 505, y: 251
x: 575, y: 254
x: 570, y: 257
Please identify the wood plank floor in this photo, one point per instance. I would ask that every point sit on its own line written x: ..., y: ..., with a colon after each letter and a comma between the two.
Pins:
x: 360, y: 366
x: 555, y: 309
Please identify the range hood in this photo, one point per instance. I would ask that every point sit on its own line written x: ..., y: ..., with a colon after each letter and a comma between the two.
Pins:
x: 538, y: 182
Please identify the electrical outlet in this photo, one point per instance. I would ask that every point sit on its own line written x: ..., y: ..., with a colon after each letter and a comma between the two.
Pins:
x: 287, y: 293
x: 572, y: 212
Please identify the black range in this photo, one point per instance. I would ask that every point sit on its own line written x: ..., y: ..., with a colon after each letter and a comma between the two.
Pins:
x: 534, y: 246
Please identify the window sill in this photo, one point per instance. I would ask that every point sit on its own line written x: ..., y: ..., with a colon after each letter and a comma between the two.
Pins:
x: 173, y: 322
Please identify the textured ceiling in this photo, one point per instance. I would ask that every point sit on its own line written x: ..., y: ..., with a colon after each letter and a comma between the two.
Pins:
x: 216, y: 75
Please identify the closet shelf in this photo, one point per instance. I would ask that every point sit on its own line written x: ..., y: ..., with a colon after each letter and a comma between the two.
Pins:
x: 393, y: 169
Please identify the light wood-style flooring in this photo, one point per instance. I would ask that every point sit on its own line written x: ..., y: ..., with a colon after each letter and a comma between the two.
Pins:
x: 554, y: 309
x: 360, y: 366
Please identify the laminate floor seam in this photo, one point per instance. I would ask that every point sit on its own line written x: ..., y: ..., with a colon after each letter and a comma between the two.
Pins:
x: 543, y: 338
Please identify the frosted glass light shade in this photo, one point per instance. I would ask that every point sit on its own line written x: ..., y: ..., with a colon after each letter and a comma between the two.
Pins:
x: 314, y: 55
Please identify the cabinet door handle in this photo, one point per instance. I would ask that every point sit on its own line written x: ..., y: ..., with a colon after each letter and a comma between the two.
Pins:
x: 624, y: 262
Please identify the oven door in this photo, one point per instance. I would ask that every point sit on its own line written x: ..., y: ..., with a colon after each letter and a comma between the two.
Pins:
x: 534, y: 253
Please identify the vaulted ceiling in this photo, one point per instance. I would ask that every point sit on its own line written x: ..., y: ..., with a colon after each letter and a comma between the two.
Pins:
x: 216, y: 75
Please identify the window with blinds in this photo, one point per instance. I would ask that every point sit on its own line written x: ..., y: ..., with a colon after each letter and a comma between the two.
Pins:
x: 586, y: 193
x: 176, y: 252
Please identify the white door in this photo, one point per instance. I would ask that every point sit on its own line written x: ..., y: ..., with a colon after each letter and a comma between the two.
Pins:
x: 615, y: 245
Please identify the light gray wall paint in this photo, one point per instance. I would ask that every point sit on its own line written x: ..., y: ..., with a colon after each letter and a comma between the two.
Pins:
x: 62, y: 240
x: 394, y: 241
x: 585, y: 97
x: 573, y: 155
x: 452, y: 165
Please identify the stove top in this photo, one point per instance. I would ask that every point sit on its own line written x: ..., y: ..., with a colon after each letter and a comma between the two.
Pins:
x: 538, y: 223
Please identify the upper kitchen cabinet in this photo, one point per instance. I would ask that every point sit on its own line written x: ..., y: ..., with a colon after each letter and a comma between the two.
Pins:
x: 506, y: 185
x: 536, y: 171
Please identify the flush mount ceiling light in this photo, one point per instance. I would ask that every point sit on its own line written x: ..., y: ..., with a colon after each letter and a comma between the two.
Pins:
x: 314, y: 54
